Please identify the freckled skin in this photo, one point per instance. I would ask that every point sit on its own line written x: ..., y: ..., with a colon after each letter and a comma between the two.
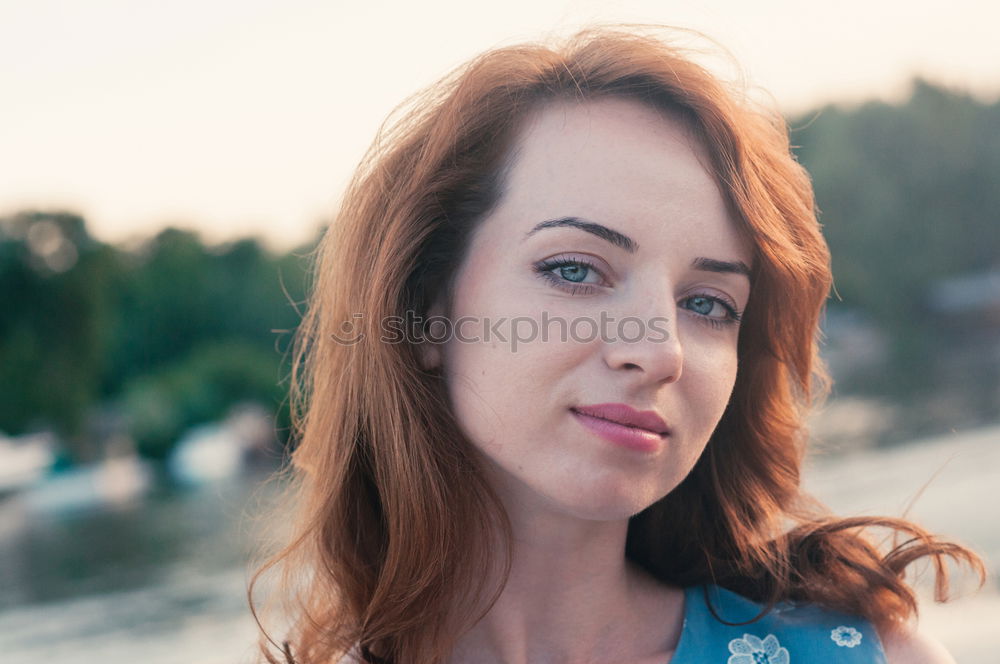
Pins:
x: 631, y: 168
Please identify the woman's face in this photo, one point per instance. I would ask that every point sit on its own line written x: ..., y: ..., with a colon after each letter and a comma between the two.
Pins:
x: 592, y: 283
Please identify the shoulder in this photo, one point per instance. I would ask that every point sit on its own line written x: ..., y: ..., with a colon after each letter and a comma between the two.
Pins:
x: 726, y: 624
x: 911, y: 646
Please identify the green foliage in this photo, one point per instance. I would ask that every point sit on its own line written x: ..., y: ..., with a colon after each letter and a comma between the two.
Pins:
x: 178, y: 294
x: 908, y: 195
x: 200, y: 388
x: 200, y: 329
x: 55, y: 304
x: 174, y: 332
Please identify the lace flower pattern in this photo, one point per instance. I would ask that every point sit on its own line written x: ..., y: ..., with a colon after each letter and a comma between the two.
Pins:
x: 845, y: 636
x: 753, y: 650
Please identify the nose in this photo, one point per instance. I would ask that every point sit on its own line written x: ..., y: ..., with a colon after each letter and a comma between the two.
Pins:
x: 648, y: 345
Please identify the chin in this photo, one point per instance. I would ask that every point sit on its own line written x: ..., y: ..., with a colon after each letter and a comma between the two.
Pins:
x: 605, y: 501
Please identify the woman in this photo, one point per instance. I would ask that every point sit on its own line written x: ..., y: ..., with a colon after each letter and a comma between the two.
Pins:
x: 551, y: 385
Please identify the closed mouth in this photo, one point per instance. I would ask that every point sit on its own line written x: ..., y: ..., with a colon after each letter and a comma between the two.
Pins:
x: 630, y: 425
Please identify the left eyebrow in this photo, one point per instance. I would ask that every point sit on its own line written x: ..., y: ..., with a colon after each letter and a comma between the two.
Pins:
x: 601, y: 231
x: 715, y: 265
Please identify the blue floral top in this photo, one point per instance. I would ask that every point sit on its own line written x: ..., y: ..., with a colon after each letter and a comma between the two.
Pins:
x: 789, y: 634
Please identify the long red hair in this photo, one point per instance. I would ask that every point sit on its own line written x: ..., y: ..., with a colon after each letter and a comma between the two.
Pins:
x: 391, y: 520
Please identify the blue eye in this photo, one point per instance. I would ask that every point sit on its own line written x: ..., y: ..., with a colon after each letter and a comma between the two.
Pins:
x: 576, y: 273
x: 570, y: 274
x: 704, y: 300
x: 704, y: 306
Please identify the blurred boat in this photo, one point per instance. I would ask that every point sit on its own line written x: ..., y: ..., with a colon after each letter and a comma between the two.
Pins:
x: 220, y: 450
x: 118, y: 479
x: 24, y: 460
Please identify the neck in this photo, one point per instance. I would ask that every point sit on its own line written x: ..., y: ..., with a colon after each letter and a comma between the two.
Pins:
x: 571, y: 596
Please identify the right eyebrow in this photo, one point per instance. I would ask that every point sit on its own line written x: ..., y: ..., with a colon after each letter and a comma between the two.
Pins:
x: 594, y: 228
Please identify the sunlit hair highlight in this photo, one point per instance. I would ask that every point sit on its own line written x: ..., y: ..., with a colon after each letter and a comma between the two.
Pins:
x: 391, y: 522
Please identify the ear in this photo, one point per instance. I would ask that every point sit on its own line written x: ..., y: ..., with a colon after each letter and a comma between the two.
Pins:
x: 430, y: 352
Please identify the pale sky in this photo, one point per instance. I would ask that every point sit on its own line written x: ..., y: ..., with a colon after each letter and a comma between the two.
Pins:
x: 240, y: 117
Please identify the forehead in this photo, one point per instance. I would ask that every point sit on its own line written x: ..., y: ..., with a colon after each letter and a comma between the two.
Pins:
x: 622, y: 163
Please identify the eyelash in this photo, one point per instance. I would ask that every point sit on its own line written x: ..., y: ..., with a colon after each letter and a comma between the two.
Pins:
x: 544, y: 270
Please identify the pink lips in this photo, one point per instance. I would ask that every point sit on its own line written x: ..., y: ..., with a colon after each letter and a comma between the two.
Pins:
x: 623, y: 425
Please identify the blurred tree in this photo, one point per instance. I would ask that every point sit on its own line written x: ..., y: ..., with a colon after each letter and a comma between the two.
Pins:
x: 173, y: 332
x: 54, y: 308
x: 200, y: 388
x: 908, y: 195
x: 179, y: 294
x: 181, y: 297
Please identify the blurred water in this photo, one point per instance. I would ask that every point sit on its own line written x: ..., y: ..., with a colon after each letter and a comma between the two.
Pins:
x: 158, y: 580
x: 959, y: 476
x: 163, y: 580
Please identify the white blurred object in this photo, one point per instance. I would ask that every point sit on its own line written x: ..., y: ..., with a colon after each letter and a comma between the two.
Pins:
x: 123, y: 477
x: 24, y: 460
x: 218, y: 451
x: 114, y: 481
x: 206, y: 453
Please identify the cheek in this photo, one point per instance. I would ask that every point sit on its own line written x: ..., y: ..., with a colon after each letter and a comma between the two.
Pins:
x: 503, y: 395
x: 500, y: 393
x: 726, y: 365
x: 716, y: 377
x: 471, y: 370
